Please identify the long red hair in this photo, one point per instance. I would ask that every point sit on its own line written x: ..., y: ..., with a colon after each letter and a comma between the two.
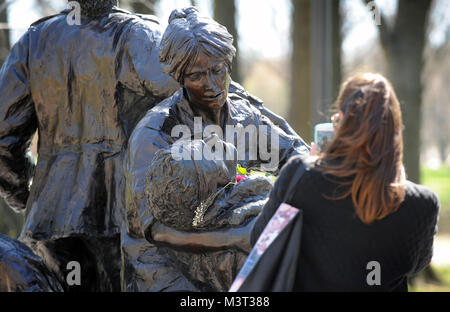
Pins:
x: 367, y: 151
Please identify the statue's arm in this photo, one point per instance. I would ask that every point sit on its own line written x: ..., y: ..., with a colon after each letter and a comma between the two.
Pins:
x: 141, y: 81
x: 18, y: 123
x: 140, y: 69
x: 234, y: 237
x: 143, y: 144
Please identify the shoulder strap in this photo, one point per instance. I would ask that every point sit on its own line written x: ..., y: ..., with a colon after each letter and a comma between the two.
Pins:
x: 297, y: 175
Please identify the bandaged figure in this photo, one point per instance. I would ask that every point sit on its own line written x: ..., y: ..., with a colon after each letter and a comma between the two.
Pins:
x: 200, y: 196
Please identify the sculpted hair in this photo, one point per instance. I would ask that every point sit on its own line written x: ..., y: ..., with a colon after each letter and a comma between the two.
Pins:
x: 367, y: 151
x: 187, y: 35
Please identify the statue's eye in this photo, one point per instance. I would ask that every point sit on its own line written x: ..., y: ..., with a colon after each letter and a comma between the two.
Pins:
x: 194, y: 76
x: 219, y: 70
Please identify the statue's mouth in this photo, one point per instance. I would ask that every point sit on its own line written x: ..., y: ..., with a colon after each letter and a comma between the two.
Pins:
x: 213, y: 97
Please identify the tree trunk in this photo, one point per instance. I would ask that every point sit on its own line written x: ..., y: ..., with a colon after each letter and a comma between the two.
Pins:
x: 225, y: 14
x: 336, y: 38
x: 143, y: 6
x: 300, y: 108
x: 404, y: 46
x: 4, y: 34
x: 442, y: 145
x: 316, y: 63
x: 10, y: 222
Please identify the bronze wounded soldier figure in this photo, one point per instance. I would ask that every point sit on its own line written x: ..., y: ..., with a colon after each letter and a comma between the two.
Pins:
x: 164, y: 192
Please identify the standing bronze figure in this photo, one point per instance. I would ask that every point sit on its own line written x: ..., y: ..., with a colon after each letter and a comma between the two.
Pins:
x: 83, y: 88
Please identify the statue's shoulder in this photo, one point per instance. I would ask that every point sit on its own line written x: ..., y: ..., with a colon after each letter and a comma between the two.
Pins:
x: 243, y: 105
x: 137, y: 26
x: 149, y: 18
x: 47, y: 18
x: 237, y: 92
x: 247, y: 104
x: 139, y: 17
x: 145, y: 18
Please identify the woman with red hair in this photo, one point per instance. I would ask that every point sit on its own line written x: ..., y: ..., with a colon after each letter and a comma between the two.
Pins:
x: 360, y: 214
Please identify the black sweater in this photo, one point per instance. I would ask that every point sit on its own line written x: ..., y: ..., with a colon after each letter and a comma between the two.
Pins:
x: 336, y: 247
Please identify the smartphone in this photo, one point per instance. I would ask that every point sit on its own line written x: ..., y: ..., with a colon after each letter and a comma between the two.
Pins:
x: 323, y: 134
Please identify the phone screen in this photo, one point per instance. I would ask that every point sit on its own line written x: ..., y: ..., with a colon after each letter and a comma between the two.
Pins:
x: 323, y: 134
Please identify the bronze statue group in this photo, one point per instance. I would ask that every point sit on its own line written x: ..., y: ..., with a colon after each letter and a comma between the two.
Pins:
x: 104, y: 97
x: 107, y: 192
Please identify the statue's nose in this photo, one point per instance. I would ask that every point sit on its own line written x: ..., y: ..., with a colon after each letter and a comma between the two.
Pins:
x: 211, y: 85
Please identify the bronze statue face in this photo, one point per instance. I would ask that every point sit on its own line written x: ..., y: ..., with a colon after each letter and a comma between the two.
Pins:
x: 206, y: 82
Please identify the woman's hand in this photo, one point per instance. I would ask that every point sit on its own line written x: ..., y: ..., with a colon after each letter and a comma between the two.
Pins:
x: 313, y: 151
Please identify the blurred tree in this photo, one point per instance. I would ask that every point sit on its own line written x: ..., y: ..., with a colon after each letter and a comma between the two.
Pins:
x: 442, y: 109
x: 46, y: 7
x: 4, y: 32
x: 143, y: 6
x: 403, y: 43
x: 225, y: 14
x: 315, y: 77
x: 10, y: 222
x: 336, y: 43
x: 300, y: 108
x: 436, y: 111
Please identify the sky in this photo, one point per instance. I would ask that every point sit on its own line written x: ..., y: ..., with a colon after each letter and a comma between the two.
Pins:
x: 264, y: 25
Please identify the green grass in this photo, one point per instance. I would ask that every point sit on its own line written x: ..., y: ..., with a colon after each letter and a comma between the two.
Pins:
x: 444, y: 275
x: 439, y: 182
